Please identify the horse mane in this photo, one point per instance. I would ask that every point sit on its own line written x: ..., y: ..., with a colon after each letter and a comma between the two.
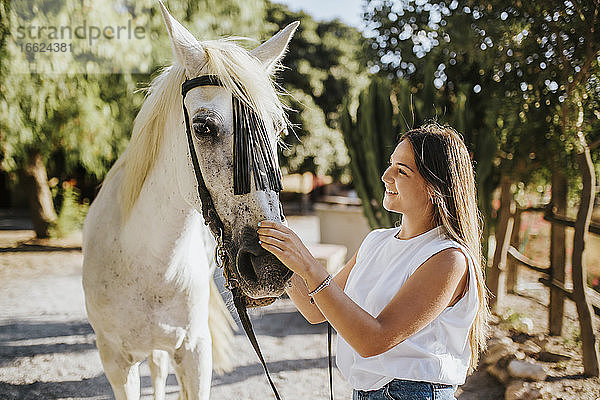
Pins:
x: 239, y: 71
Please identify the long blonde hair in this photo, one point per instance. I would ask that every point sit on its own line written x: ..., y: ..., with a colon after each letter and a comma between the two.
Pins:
x: 443, y: 160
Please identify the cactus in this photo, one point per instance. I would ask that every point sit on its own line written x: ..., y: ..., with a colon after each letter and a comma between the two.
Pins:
x: 475, y: 119
x: 370, y: 141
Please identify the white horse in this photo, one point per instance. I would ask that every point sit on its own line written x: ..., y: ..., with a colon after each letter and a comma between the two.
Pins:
x: 147, y: 270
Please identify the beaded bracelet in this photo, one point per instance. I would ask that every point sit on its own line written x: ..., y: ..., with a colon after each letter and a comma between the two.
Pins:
x: 322, y: 286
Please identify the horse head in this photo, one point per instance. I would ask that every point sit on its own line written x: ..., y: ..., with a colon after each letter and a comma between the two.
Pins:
x: 235, y: 117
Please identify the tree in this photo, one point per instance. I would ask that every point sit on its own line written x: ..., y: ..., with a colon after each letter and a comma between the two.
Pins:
x: 71, y: 112
x: 554, y: 51
x: 53, y: 113
x: 322, y: 67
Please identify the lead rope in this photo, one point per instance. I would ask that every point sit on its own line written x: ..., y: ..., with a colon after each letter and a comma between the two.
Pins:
x: 211, y: 217
x: 330, y: 360
x: 240, y: 306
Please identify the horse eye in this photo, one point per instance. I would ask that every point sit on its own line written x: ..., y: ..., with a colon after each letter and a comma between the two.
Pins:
x: 201, y: 129
x: 204, y: 126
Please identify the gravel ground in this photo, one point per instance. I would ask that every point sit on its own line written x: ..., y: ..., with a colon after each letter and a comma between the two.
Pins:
x: 47, y: 347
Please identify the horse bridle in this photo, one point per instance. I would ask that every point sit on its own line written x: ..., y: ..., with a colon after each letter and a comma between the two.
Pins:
x: 209, y: 212
x: 215, y: 224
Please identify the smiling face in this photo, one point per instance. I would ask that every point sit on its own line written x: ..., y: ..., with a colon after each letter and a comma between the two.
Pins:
x: 405, y: 188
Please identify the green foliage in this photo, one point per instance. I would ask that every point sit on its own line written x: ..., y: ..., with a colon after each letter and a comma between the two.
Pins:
x: 80, y: 116
x: 525, y: 66
x: 55, y: 104
x: 546, y: 64
x: 320, y: 150
x: 370, y: 140
x: 71, y: 214
x: 322, y: 67
x: 210, y: 19
x: 65, y: 119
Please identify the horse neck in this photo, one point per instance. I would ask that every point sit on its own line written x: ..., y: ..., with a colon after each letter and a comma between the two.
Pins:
x: 162, y: 225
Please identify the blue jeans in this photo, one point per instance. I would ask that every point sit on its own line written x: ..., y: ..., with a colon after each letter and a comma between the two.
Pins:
x: 399, y: 389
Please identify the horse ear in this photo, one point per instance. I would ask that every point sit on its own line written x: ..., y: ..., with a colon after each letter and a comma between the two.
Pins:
x: 271, y: 51
x: 187, y: 50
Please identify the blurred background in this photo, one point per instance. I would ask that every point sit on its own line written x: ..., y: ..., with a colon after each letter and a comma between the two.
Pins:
x: 519, y: 80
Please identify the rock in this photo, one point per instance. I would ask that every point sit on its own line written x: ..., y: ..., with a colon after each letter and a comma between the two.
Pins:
x: 541, y: 340
x: 530, y: 348
x: 550, y: 356
x: 525, y: 324
x: 500, y: 349
x: 499, y: 373
x: 519, y: 336
x: 519, y: 390
x: 505, y: 340
x: 527, y: 370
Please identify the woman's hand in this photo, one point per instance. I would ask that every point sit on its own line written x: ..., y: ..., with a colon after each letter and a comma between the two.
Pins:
x: 284, y: 244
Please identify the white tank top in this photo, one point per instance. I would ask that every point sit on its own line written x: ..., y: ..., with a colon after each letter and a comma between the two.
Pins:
x: 440, y: 352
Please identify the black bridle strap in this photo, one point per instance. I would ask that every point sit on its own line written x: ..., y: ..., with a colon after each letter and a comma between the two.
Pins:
x: 330, y: 360
x: 214, y: 222
x: 211, y: 217
x: 251, y: 151
x: 204, y: 80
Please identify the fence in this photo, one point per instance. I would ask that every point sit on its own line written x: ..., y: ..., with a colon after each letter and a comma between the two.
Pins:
x: 552, y: 276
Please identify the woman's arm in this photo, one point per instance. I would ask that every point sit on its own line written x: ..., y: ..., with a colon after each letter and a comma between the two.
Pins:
x: 423, y: 297
x: 298, y: 292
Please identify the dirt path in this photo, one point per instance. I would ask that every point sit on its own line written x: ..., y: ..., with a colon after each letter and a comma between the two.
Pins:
x: 47, y: 348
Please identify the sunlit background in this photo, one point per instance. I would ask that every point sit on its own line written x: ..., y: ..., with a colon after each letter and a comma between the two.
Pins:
x: 519, y: 80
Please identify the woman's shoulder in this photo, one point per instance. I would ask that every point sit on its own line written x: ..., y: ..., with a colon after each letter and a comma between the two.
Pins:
x: 446, y: 248
x: 450, y: 258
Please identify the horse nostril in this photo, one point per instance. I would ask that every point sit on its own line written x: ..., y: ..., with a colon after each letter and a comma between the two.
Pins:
x: 245, y: 265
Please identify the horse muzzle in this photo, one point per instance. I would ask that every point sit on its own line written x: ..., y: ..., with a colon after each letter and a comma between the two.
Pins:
x: 259, y: 273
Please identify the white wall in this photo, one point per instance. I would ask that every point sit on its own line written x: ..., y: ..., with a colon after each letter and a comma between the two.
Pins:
x: 342, y: 224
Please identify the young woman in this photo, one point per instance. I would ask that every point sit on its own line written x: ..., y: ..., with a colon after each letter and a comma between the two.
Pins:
x: 410, y: 308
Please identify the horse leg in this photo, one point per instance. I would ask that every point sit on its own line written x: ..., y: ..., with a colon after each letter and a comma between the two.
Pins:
x: 120, y: 369
x: 193, y: 367
x: 159, y: 370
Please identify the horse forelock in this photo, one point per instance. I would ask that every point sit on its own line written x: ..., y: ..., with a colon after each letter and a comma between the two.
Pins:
x: 247, y: 78
x: 239, y: 71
